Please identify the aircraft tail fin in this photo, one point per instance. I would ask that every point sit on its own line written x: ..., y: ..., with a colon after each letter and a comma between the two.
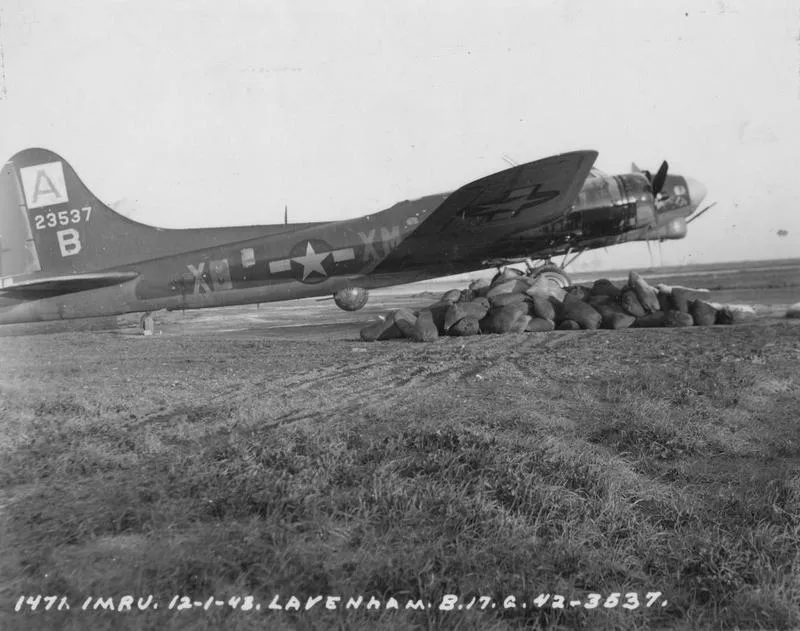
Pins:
x: 51, y: 223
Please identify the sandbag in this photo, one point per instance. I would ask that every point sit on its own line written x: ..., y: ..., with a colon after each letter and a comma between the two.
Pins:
x: 702, y: 313
x: 465, y: 326
x: 680, y: 299
x: 454, y: 313
x: 542, y: 308
x: 724, y: 316
x: 614, y: 317
x: 479, y: 283
x: 501, y: 319
x: 484, y: 302
x: 408, y: 329
x: 451, y: 296
x: 736, y: 314
x: 559, y: 307
x: 682, y: 296
x: 601, y: 299
x: 507, y: 273
x: 557, y: 293
x: 439, y: 312
x: 476, y: 309
x: 575, y: 309
x: 461, y: 310
x: 579, y: 291
x: 540, y: 287
x: 630, y: 303
x: 644, y: 292
x: 384, y: 329
x: 674, y: 318
x: 664, y: 301
x: 405, y: 320
x: 467, y: 295
x: 618, y: 320
x: 569, y: 325
x: 403, y: 314
x: 604, y: 287
x: 650, y: 320
x: 507, y: 287
x: 540, y: 325
x: 501, y: 300
x: 426, y: 328
x: 520, y: 324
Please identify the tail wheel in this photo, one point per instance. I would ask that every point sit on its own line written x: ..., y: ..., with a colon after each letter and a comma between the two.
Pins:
x: 553, y: 274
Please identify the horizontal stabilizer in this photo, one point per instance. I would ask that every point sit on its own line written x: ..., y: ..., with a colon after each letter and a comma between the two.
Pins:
x: 59, y: 285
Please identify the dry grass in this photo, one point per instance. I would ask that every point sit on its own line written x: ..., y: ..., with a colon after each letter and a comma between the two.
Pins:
x: 564, y: 463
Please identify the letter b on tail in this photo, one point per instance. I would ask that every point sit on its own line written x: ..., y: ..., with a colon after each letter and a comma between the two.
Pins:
x: 69, y: 242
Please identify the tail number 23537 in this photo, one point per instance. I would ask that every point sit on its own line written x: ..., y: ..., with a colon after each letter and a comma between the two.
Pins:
x: 62, y: 218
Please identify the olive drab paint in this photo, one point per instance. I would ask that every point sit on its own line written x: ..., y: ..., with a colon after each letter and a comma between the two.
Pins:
x: 66, y: 254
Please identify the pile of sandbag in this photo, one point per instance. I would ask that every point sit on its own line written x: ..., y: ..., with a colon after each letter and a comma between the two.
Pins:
x: 516, y: 303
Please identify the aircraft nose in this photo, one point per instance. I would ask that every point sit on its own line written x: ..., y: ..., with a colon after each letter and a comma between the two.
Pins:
x: 697, y: 191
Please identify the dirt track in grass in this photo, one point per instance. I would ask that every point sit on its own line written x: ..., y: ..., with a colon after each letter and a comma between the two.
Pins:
x: 566, y: 463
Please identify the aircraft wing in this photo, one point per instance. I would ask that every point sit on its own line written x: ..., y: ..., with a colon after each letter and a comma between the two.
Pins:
x: 59, y: 285
x: 491, y: 210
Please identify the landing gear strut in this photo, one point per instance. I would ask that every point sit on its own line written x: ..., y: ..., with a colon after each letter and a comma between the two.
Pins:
x: 554, y: 274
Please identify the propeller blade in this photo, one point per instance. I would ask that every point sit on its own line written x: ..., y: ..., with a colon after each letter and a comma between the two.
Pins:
x: 702, y: 212
x: 660, y: 178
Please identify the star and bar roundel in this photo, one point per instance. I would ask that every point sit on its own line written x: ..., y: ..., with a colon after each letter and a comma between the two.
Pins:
x: 313, y: 261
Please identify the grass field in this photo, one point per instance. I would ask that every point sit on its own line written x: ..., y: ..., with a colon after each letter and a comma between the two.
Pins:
x: 565, y: 463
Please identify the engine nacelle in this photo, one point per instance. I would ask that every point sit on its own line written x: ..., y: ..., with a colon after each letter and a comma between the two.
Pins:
x: 351, y: 298
x: 675, y: 229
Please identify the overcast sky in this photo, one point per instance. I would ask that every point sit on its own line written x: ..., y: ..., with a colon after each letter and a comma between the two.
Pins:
x: 211, y: 113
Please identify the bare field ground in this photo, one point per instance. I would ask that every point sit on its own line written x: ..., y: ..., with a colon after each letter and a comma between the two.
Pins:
x: 243, y: 455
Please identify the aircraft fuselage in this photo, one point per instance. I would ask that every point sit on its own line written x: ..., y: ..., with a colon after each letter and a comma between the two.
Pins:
x: 503, y: 216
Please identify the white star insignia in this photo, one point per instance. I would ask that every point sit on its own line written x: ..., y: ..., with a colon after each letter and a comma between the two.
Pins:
x: 312, y: 261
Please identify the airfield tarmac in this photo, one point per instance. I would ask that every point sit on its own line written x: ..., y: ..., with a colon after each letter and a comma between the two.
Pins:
x: 769, y: 286
x: 571, y: 461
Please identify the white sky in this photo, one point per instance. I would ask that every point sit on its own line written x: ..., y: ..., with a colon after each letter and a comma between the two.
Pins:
x: 209, y: 113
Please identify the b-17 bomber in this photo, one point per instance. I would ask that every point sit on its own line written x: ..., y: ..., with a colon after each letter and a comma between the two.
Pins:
x: 65, y: 254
